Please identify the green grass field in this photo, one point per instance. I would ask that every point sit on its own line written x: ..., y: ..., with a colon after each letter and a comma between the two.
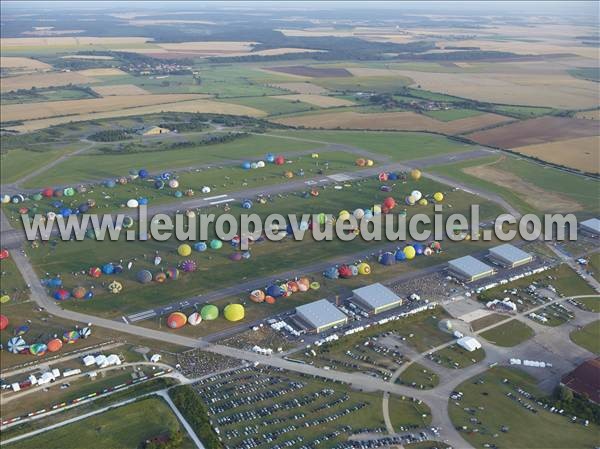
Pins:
x: 12, y: 283
x: 588, y: 337
x: 521, y: 112
x: 577, y: 188
x: 455, y: 357
x: 452, y: 114
x: 273, y: 105
x: 417, y: 376
x: 363, y: 83
x: 509, y: 334
x: 487, y: 403
x: 486, y: 321
x: 42, y: 95
x: 124, y: 427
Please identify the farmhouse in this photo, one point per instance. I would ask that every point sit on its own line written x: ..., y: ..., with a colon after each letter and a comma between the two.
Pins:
x: 320, y: 315
x: 376, y: 298
x: 590, y: 227
x: 154, y: 131
x: 469, y: 269
x: 585, y: 380
x: 509, y: 256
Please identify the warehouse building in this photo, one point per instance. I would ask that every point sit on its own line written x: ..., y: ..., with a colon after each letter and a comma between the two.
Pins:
x: 469, y: 269
x: 585, y: 380
x: 376, y: 298
x: 590, y: 227
x: 320, y: 316
x: 509, y: 256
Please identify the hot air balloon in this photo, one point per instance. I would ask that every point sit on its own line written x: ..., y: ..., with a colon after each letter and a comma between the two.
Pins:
x: 172, y: 273
x: 364, y: 268
x: 61, y: 294
x: 400, y: 256
x: 55, y: 345
x: 188, y: 266
x: 303, y: 284
x: 205, y: 189
x: 423, y: 202
x: 436, y: 246
x: 279, y: 160
x: 257, y: 296
x: 133, y: 203
x: 315, y: 155
x: 176, y: 320
x: 270, y: 158
x: 387, y: 258
x: 419, y: 248
x: 343, y: 215
x: 115, y: 287
x: 234, y: 312
x: 383, y: 176
x: 438, y: 197
x: 361, y: 162
x: 200, y: 246
x: 144, y: 276
x: 184, y: 250
x: 416, y: 194
x: 331, y: 273
x: 376, y: 209
x: 237, y: 256
x: 85, y: 332
x: 48, y: 192
x: 274, y: 290
x: 358, y: 213
x: 71, y: 337
x: 389, y: 202
x: 270, y: 300
x: 16, y: 345
x: 427, y: 251
x: 415, y: 174
x: 246, y: 204
x: 3, y: 322
x: 38, y: 349
x: 127, y: 222
x: 288, y: 174
x: 246, y: 165
x: 79, y: 292
x: 108, y: 268
x: 410, y: 252
x: 194, y: 319
x: 345, y: 272
x: 143, y: 173
x: 209, y: 312
x: 216, y: 244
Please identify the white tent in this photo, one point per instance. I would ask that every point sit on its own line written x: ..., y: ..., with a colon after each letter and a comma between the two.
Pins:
x: 468, y: 343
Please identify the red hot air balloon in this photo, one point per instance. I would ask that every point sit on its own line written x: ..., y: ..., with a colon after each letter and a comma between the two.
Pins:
x: 3, y: 322
x: 389, y: 202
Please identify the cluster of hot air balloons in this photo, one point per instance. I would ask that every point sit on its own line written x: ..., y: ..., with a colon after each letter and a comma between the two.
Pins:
x: 362, y: 162
x: 347, y: 271
x: 208, y: 312
x: 285, y: 289
x: 185, y: 250
x: 18, y: 345
x: 409, y: 252
x: 146, y: 276
x: 270, y: 158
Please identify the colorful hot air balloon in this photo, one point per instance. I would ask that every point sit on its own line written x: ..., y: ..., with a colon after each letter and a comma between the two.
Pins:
x: 274, y: 290
x: 79, y: 292
x: 38, y: 349
x: 188, y: 266
x: 200, y: 246
x: 55, y: 345
x: 144, y: 276
x: 3, y: 322
x: 234, y: 312
x: 172, y: 273
x: 160, y: 277
x: 176, y: 320
x: 61, y: 294
x: 209, y: 312
x: 4, y: 254
x: 95, y: 272
x: 364, y: 268
x: 270, y: 300
x: 194, y: 319
x: 71, y: 337
x: 16, y: 345
x: 115, y: 287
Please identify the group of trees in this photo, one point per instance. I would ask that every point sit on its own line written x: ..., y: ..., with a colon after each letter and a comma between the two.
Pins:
x: 111, y: 135
x: 190, y: 406
x: 574, y: 404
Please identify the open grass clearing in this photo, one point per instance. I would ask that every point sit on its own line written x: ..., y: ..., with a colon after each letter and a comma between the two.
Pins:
x: 322, y: 101
x: 127, y: 426
x: 486, y: 321
x: 485, y: 400
x: 509, y: 334
x: 588, y: 337
x: 455, y: 357
x: 417, y: 376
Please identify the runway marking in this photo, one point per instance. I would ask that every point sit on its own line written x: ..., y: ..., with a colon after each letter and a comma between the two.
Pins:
x: 228, y: 200
x: 216, y: 197
x: 340, y: 177
x: 141, y: 316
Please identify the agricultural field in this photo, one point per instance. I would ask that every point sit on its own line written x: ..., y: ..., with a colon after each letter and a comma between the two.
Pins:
x: 126, y: 426
x: 42, y: 80
x: 320, y: 100
x: 581, y: 154
x: 486, y: 406
x: 120, y: 89
x: 302, y: 88
x: 535, y: 131
x: 588, y: 337
x: 448, y: 115
x: 401, y: 121
x: 509, y: 334
x: 528, y: 186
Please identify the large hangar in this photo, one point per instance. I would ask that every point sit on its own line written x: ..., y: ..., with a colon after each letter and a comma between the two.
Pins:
x: 469, y: 269
x: 590, y: 227
x: 320, y: 315
x: 509, y: 256
x: 376, y: 298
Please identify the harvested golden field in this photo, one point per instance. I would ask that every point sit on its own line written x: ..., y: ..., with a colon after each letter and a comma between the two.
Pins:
x: 582, y: 154
x: 302, y: 88
x: 589, y: 115
x: 558, y: 90
x: 43, y: 80
x: 210, y: 47
x: 120, y: 89
x: 535, y: 131
x: 102, y: 72
x: 405, y: 121
x: 33, y: 111
x: 542, y: 200
x: 11, y: 43
x: 94, y: 57
x: 318, y: 100
x: 23, y: 64
x: 199, y: 106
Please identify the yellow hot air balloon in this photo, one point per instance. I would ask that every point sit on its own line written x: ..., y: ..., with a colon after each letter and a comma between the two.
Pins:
x: 423, y: 202
x: 370, y: 162
x: 315, y: 155
x: 234, y: 312
x: 184, y: 250
x: 415, y: 174
x: 344, y: 215
x: 409, y: 252
x: 438, y: 197
x: 377, y: 209
x: 364, y: 268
